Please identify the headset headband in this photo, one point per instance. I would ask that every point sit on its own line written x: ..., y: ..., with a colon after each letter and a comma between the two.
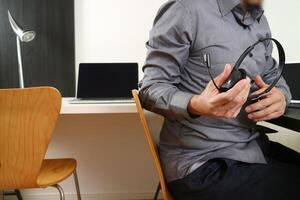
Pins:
x: 242, y: 72
x: 281, y: 64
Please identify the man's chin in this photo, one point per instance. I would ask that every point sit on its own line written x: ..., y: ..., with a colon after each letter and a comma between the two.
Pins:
x: 253, y: 3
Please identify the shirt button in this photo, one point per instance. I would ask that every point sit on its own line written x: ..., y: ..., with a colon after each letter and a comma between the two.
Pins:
x: 250, y: 55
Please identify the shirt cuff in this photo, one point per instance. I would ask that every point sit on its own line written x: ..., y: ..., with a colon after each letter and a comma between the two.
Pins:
x: 179, y: 104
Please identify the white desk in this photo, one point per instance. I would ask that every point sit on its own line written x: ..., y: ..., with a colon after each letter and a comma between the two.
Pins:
x: 68, y: 108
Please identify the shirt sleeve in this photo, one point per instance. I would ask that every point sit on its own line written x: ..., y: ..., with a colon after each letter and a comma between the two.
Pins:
x: 168, y: 52
x: 271, y: 72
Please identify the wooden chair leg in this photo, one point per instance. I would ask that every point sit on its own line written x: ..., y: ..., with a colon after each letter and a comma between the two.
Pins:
x: 157, y: 192
x: 60, y: 190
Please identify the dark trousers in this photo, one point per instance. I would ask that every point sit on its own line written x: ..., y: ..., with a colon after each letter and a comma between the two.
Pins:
x: 224, y: 179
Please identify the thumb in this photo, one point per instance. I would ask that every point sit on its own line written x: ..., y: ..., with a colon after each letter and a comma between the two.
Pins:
x: 259, y: 82
x: 225, y: 74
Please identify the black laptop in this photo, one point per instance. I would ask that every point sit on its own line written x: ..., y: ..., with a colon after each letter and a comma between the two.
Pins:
x: 106, y: 83
x: 291, y: 75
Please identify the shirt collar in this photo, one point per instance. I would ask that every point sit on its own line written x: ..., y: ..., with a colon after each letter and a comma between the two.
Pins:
x: 257, y: 13
x: 247, y: 18
x: 226, y: 6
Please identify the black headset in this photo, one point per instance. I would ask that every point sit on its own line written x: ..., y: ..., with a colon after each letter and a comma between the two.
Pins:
x: 238, y: 74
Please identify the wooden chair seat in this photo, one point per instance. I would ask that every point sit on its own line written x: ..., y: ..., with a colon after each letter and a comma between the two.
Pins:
x: 54, y: 171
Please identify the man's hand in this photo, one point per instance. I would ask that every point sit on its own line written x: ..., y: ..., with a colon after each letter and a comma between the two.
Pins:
x: 213, y: 103
x: 271, y: 106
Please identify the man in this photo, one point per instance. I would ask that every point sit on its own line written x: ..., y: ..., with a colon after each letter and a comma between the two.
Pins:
x: 209, y: 147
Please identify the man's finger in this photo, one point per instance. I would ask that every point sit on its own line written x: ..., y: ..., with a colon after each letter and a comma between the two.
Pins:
x: 261, y: 90
x: 261, y: 104
x: 238, y: 100
x: 259, y: 82
x: 225, y: 74
x: 264, y: 112
x: 236, y: 90
x: 269, y: 117
x: 262, y: 86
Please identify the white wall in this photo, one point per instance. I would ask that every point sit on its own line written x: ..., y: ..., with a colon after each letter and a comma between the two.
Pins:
x: 116, y: 31
x: 284, y: 20
x: 113, y: 30
x: 113, y: 161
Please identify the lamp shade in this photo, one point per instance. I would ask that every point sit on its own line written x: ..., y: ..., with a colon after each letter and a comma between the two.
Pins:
x: 24, y: 35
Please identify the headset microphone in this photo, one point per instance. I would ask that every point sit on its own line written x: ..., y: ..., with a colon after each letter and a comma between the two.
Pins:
x: 238, y: 74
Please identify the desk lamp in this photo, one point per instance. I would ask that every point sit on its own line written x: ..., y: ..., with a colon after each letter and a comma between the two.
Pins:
x: 21, y: 36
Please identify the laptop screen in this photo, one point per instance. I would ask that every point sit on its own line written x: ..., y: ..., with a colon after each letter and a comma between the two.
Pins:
x: 107, y: 80
x: 291, y: 75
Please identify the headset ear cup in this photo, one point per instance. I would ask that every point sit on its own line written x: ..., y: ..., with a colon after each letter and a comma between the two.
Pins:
x: 243, y: 73
x: 234, y: 78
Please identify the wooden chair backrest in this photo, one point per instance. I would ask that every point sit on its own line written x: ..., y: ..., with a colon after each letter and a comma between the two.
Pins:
x: 27, y: 120
x: 152, y: 147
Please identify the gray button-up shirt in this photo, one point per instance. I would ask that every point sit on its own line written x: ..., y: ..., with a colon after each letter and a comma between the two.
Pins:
x: 183, y: 31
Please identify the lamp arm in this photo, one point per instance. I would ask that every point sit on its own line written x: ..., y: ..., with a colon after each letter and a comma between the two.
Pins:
x: 21, y: 79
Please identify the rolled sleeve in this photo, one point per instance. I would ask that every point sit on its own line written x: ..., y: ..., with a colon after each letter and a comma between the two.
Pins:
x: 168, y: 53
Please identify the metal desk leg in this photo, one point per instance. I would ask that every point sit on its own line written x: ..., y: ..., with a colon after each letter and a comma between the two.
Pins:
x: 1, y: 195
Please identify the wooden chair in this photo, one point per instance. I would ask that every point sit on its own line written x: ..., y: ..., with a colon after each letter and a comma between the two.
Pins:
x: 154, y: 152
x: 27, y: 120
